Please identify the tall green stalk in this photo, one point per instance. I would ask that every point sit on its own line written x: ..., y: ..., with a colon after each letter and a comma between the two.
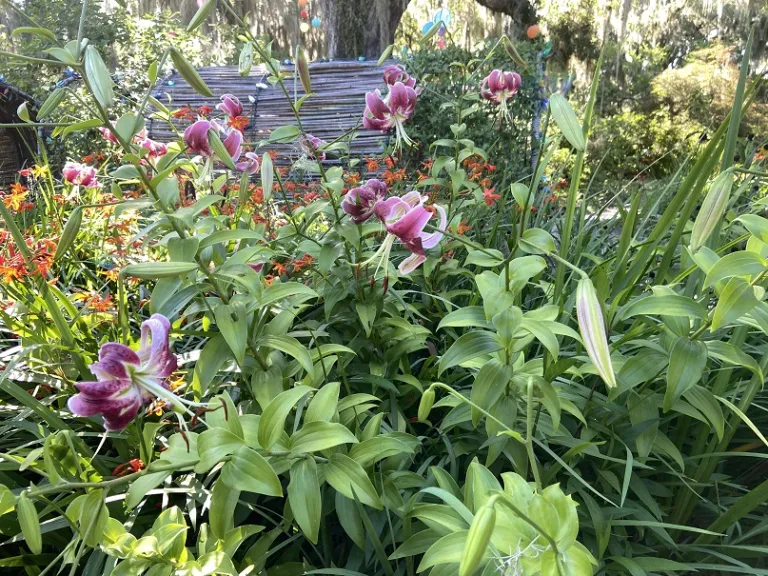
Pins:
x: 573, y: 191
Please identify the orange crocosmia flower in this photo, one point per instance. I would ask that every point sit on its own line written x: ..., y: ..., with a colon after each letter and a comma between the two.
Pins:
x: 257, y: 195
x: 489, y: 197
x: 372, y: 164
x: 238, y: 123
x: 353, y: 178
x: 98, y: 304
x: 204, y: 110
x: 304, y: 262
x: 268, y: 279
x: 463, y: 228
x: 280, y: 268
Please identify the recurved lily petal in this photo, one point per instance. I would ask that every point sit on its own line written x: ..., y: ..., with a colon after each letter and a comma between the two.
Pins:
x: 233, y: 143
x: 396, y: 73
x: 117, y: 408
x: 251, y: 163
x: 592, y: 329
x: 154, y: 350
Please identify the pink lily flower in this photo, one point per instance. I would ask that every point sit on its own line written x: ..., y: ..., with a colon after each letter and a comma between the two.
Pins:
x: 385, y: 113
x: 156, y: 149
x: 396, y: 73
x: 250, y: 164
x: 196, y: 137
x: 108, y: 135
x: 405, y: 218
x: 359, y: 202
x: 128, y: 379
x: 312, y: 145
x: 230, y: 105
x: 80, y: 175
x: 500, y: 86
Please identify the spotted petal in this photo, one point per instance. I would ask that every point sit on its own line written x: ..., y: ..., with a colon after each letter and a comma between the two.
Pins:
x: 156, y: 358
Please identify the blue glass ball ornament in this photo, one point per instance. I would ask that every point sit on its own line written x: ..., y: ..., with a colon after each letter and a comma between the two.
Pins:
x: 427, y: 27
x: 316, y: 22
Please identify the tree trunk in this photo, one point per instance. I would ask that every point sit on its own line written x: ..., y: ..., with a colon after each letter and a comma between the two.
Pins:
x: 521, y: 11
x: 383, y: 19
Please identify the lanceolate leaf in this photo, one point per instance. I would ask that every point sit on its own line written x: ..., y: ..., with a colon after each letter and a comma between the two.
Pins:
x: 304, y: 497
x: 687, y: 360
x: 566, y: 120
x: 248, y: 471
x: 736, y: 300
x: 348, y: 477
x: 469, y: 346
x: 272, y: 422
x: 98, y: 77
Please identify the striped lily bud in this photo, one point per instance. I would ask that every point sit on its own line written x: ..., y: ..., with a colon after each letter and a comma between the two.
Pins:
x: 425, y: 406
x: 592, y: 330
x: 712, y: 209
x: 477, y: 540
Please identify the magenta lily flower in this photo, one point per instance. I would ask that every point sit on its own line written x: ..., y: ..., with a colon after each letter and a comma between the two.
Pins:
x: 196, y: 137
x: 230, y: 105
x: 250, y: 164
x: 500, y: 86
x: 405, y: 219
x: 312, y: 145
x: 80, y: 175
x: 395, y: 73
x: 128, y: 379
x: 233, y: 143
x: 156, y: 149
x: 108, y: 135
x: 386, y: 113
x: 359, y: 202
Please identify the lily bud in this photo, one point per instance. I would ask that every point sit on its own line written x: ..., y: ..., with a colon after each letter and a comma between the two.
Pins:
x: 712, y: 209
x: 303, y: 68
x: 425, y: 405
x: 477, y: 540
x: 592, y: 329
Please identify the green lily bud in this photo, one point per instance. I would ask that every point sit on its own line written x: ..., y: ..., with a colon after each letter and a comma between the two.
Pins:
x: 425, y: 405
x: 712, y: 209
x: 592, y: 330
x: 477, y: 540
